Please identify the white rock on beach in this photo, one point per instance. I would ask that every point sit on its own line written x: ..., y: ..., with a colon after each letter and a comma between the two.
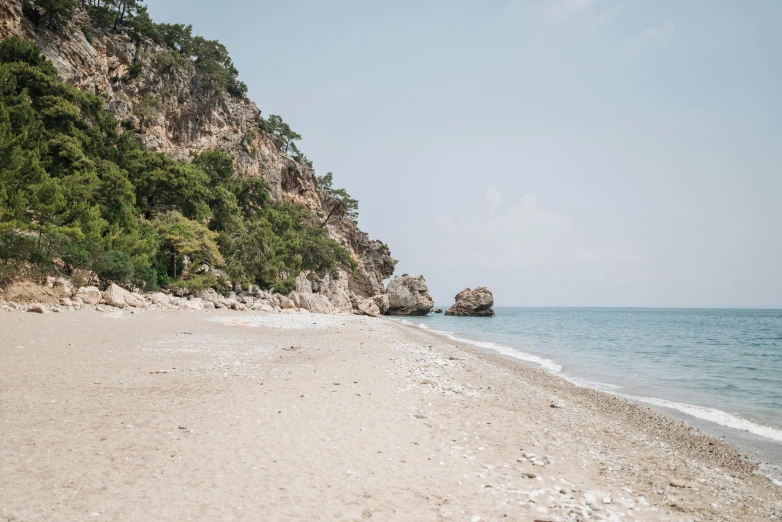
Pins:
x: 368, y: 307
x: 116, y: 295
x: 159, y: 298
x: 89, y: 295
x: 37, y: 308
x: 194, y: 304
x: 315, y: 303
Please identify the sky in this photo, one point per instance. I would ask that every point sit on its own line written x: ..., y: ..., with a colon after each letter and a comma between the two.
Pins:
x: 561, y: 153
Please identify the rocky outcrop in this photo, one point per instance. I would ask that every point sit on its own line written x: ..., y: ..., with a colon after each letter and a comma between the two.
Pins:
x: 476, y: 303
x: 409, y: 295
x: 193, y: 119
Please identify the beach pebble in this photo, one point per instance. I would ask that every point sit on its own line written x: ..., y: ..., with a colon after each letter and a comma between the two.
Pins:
x: 556, y: 403
x: 530, y: 474
x: 475, y: 518
x: 678, y: 483
x: 36, y: 308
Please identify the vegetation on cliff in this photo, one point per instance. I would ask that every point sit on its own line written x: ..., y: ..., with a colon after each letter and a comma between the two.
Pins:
x: 77, y: 195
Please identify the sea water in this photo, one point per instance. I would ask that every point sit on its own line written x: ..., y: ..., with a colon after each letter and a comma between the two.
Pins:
x: 720, y: 370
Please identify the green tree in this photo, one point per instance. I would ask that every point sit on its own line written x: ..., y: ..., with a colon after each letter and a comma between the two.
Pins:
x: 344, y: 204
x: 148, y: 107
x: 77, y: 194
x: 275, y: 126
x: 56, y: 14
x: 180, y: 237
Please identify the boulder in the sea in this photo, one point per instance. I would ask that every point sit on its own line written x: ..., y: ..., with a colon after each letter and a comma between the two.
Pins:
x: 475, y: 303
x: 409, y: 295
x: 89, y: 295
x: 437, y: 310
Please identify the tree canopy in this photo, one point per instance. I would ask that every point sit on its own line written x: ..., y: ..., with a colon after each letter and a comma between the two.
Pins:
x: 76, y: 194
x: 345, y: 203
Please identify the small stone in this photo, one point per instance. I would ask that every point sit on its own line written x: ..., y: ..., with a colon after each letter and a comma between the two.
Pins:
x: 183, y: 427
x: 36, y: 308
x: 556, y: 403
x: 530, y: 474
x: 607, y: 500
x: 419, y: 416
x: 594, y: 507
x: 678, y: 483
x: 475, y: 518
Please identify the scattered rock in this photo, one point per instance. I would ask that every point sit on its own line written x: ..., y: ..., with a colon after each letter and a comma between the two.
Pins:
x: 115, y: 296
x: 474, y: 303
x: 368, y: 307
x: 678, y: 483
x: 89, y: 295
x: 159, y: 298
x: 315, y: 303
x: 556, y: 403
x: 194, y: 304
x: 37, y: 308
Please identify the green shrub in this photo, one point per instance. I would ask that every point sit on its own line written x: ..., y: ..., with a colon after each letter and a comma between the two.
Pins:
x: 285, y: 287
x: 114, y: 266
x: 196, y: 284
x: 88, y: 34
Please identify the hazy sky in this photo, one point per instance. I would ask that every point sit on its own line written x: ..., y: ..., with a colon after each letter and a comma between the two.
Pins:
x: 574, y: 152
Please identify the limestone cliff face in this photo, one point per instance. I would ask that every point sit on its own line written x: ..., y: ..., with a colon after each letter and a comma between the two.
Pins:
x: 192, y: 118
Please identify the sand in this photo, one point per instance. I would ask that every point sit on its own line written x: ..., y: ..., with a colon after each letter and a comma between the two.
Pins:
x: 165, y: 415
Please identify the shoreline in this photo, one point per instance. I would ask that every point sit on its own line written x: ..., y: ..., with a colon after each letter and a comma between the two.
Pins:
x: 172, y: 414
x: 765, y: 451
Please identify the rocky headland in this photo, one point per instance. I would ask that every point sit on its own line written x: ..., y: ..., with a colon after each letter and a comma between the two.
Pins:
x: 126, y: 70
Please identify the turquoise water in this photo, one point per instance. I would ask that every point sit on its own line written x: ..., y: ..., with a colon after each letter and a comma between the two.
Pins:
x: 720, y: 369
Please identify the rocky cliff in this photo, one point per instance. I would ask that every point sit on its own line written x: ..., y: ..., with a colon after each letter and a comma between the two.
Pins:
x: 192, y: 118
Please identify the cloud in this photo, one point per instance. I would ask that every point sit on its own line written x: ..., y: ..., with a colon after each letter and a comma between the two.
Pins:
x: 605, y: 17
x: 523, y: 233
x: 345, y: 93
x: 652, y: 36
x: 565, y: 8
x: 493, y: 197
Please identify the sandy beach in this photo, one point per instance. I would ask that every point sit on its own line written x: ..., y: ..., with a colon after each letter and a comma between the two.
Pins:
x: 166, y: 415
